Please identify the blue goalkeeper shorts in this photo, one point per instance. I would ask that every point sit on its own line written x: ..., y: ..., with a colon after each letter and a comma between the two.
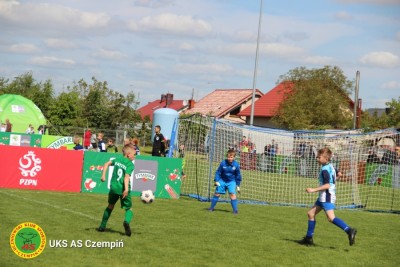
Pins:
x: 230, y: 186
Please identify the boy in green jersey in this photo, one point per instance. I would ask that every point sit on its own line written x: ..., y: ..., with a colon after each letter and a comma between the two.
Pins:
x: 120, y: 187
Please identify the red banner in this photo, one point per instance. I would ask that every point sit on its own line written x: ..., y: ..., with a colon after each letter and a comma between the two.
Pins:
x: 40, y: 168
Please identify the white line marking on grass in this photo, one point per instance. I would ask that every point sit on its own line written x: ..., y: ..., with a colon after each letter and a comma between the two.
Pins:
x: 52, y: 206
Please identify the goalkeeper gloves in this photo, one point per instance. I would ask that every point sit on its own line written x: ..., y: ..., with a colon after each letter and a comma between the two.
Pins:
x: 238, y: 189
x: 216, y: 184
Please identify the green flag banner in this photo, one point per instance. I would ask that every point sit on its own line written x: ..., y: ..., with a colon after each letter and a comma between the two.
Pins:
x: 159, y: 174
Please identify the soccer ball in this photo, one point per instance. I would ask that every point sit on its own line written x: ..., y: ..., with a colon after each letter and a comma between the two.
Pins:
x: 147, y: 196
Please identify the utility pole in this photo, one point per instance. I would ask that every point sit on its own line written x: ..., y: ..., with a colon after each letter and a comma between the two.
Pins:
x: 256, y: 66
x: 356, y: 100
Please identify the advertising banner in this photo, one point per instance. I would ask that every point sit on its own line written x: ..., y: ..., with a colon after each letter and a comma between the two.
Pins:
x: 40, y: 169
x: 159, y: 174
x: 16, y: 139
x: 57, y: 142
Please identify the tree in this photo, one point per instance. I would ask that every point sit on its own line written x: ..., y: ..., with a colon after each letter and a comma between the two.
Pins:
x: 64, y: 111
x: 318, y: 99
x: 373, y: 122
x: 393, y: 112
x: 25, y: 85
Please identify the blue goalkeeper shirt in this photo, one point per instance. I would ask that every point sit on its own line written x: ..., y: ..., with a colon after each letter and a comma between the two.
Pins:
x: 228, y: 172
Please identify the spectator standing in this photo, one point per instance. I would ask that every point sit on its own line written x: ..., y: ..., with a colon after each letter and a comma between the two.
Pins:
x: 8, y: 126
x: 77, y: 143
x: 41, y: 129
x: 86, y: 138
x: 101, y: 145
x: 111, y: 148
x: 158, y: 143
x: 29, y: 129
x: 93, y: 141
x: 135, y: 143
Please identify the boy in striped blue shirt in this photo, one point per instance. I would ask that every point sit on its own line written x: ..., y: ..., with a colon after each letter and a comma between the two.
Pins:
x: 326, y: 199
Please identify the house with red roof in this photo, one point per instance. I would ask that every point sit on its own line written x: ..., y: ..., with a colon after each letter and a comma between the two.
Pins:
x: 166, y: 101
x: 267, y: 106
x: 225, y: 103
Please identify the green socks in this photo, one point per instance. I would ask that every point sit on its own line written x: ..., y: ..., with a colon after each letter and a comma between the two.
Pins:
x: 106, y: 215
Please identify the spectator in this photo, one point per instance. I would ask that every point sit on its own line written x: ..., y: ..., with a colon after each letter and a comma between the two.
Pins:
x: 77, y: 143
x: 101, y: 145
x: 270, y: 155
x: 373, y: 157
x: 8, y: 126
x: 158, y: 143
x: 243, y: 145
x: 167, y: 144
x: 111, y: 148
x: 389, y: 156
x: 301, y: 160
x: 86, y: 138
x: 127, y: 141
x: 29, y: 129
x: 93, y: 141
x: 135, y: 143
x: 41, y: 129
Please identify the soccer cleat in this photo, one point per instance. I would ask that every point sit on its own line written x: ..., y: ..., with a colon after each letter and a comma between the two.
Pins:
x: 100, y: 229
x: 210, y: 209
x: 352, y: 236
x: 307, y: 241
x: 235, y: 212
x: 127, y: 229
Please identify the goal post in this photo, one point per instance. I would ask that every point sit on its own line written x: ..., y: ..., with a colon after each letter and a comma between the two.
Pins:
x: 277, y: 166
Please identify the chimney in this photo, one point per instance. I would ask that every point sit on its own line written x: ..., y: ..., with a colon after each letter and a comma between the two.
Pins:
x: 170, y: 98
x: 163, y: 98
x: 191, y: 103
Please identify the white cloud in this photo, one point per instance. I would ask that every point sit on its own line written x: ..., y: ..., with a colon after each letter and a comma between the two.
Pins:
x: 186, y: 47
x: 317, y: 60
x: 343, y: 15
x: 273, y: 49
x: 50, y: 17
x: 203, y: 68
x: 380, y: 59
x: 59, y: 43
x: 148, y: 65
x: 391, y: 85
x: 51, y: 61
x: 109, y: 54
x: 172, y: 24
x: 154, y: 3
x: 376, y: 2
x: 23, y: 48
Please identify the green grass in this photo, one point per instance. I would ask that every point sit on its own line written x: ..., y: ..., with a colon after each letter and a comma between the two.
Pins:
x: 182, y: 233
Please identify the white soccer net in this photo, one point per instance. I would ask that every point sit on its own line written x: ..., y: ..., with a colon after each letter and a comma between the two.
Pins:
x: 277, y: 166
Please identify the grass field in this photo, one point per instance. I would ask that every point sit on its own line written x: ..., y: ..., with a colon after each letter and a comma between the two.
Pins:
x: 182, y: 233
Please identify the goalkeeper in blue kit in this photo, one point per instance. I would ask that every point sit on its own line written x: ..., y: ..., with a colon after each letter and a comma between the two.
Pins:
x: 120, y: 187
x: 227, y: 177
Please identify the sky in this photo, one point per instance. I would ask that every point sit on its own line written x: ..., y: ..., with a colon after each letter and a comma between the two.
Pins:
x: 192, y: 47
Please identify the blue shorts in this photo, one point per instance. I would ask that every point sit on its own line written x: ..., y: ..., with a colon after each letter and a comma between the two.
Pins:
x: 325, y: 205
x: 230, y: 186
